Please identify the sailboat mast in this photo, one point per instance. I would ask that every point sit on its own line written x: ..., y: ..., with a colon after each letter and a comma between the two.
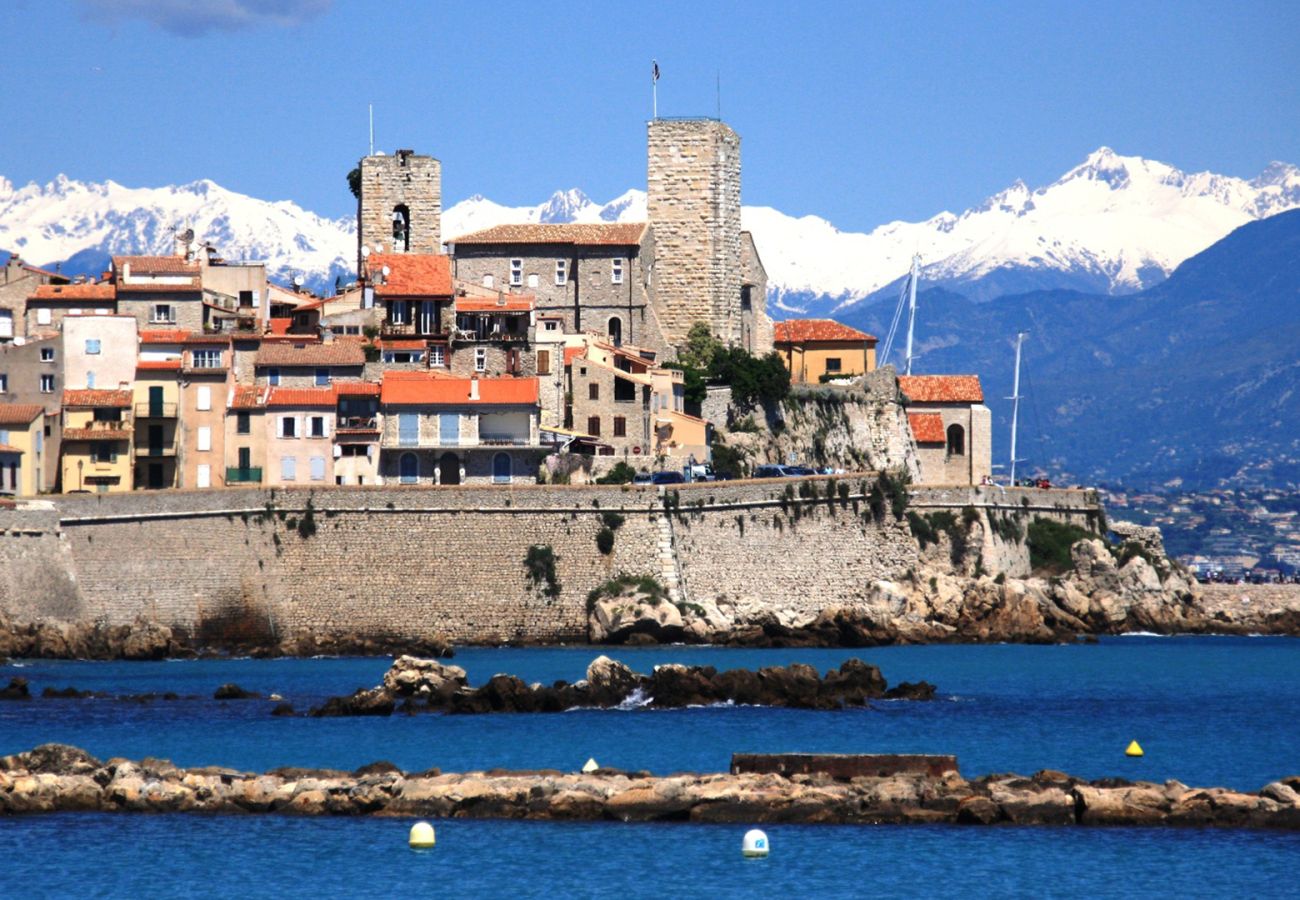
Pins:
x: 1015, y: 404
x: 911, y: 308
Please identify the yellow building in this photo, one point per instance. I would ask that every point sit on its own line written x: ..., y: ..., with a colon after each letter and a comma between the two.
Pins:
x: 22, y: 449
x: 811, y: 348
x: 97, y: 441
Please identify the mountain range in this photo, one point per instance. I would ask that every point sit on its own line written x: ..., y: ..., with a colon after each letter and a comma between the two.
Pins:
x: 1113, y: 224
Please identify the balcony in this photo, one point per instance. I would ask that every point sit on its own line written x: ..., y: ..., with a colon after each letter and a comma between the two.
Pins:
x: 243, y: 475
x: 504, y: 440
x: 356, y: 423
x: 99, y: 430
x: 154, y: 450
x: 151, y: 410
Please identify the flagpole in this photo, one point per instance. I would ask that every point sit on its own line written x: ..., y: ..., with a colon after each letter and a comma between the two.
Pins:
x: 654, y: 91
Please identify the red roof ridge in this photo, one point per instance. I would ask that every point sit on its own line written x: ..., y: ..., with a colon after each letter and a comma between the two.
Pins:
x: 800, y: 330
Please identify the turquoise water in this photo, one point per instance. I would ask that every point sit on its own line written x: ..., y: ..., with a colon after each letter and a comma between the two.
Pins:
x: 1208, y: 711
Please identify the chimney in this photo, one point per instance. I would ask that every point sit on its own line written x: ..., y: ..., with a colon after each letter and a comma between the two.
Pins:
x: 473, y: 387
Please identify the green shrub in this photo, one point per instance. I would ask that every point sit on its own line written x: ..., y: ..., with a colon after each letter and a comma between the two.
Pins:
x: 605, y: 541
x: 893, y: 487
x: 620, y: 473
x: 540, y: 565
x: 613, y: 521
x: 729, y: 461
x: 1050, y: 543
x: 622, y: 583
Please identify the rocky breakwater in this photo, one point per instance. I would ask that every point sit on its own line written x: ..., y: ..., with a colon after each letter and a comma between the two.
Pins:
x: 59, y: 778
x: 425, y: 685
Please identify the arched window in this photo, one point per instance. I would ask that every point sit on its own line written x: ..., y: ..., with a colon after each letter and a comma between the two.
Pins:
x: 956, y: 440
x: 449, y: 469
x: 501, y: 468
x: 615, y: 331
x: 401, y: 228
x: 410, y: 468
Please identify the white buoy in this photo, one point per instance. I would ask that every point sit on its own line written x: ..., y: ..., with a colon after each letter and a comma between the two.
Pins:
x: 754, y: 846
x: 590, y: 766
x: 421, y: 836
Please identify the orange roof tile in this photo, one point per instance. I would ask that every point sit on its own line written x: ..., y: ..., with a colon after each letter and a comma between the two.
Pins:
x: 158, y: 365
x: 572, y: 353
x: 942, y: 388
x: 157, y: 265
x: 95, y: 434
x: 356, y: 388
x: 247, y: 396
x: 279, y: 325
x: 615, y: 233
x: 9, y: 448
x: 89, y: 399
x: 301, y: 397
x: 418, y: 388
x: 87, y: 291
x: 19, y: 413
x: 337, y: 353
x: 410, y: 274
x: 500, y: 303
x: 163, y: 335
x: 208, y: 339
x: 927, y: 428
x: 404, y: 344
x: 798, y: 331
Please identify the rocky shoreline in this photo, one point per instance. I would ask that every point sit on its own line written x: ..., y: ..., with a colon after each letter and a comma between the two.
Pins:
x: 59, y: 778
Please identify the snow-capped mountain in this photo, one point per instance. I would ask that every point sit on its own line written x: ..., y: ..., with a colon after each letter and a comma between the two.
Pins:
x: 1113, y: 224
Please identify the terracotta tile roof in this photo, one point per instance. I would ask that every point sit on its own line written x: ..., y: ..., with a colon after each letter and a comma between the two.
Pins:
x: 301, y: 397
x: 9, y: 448
x: 942, y: 388
x: 356, y: 388
x: 337, y: 353
x: 208, y: 339
x: 624, y: 234
x: 572, y: 353
x: 411, y: 274
x: 158, y: 365
x: 405, y: 344
x: 247, y: 396
x: 157, y: 265
x: 279, y: 325
x: 927, y: 428
x: 19, y: 413
x: 418, y: 388
x: 503, y: 303
x: 96, y: 434
x: 798, y: 331
x: 39, y: 271
x: 163, y: 335
x: 88, y: 291
x: 89, y: 399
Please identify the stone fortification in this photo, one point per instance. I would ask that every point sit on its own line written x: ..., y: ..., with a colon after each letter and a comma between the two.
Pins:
x: 404, y: 182
x: 693, y: 202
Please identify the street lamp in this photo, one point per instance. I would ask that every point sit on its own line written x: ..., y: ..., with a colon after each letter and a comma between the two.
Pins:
x: 80, y: 464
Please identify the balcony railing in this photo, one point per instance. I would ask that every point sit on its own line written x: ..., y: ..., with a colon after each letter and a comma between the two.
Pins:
x: 357, y: 423
x: 154, y: 450
x: 150, y: 410
x: 241, y: 475
x: 504, y: 440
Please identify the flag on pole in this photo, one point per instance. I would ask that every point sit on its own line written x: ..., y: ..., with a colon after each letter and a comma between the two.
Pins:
x: 655, y: 70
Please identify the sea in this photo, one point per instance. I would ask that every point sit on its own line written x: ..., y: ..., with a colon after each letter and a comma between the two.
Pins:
x: 1206, y: 710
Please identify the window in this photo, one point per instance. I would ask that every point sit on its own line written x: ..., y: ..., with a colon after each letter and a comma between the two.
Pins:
x: 203, y: 476
x: 488, y: 281
x: 205, y: 437
x: 561, y: 271
x: 552, y: 326
x: 243, y: 423
x: 615, y: 331
x: 746, y: 301
x: 322, y: 377
x: 92, y: 346
x: 209, y: 358
x: 4, y: 387
x: 288, y: 426
x: 318, y: 468
x: 288, y: 468
x: 203, y: 398
x: 47, y: 354
x: 90, y: 380
x: 4, y: 435
x: 593, y: 426
x: 437, y: 356
x: 107, y: 415
x: 398, y: 312
x: 833, y: 364
x: 624, y: 391
x: 620, y: 426
x: 317, y: 426
x: 449, y: 429
x: 956, y: 440
x: 543, y: 362
x: 43, y: 316
x: 274, y: 377
x: 593, y: 391
x: 408, y: 430
x: 516, y: 272
x: 616, y: 271
x: 480, y: 359
x: 103, y: 452
x: 162, y: 312
x: 47, y: 384
x: 246, y: 298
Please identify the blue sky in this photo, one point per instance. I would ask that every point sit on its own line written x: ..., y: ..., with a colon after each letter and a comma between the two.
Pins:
x: 858, y: 112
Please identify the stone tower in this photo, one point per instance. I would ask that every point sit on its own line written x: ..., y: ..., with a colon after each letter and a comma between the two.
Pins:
x: 693, y: 202
x: 400, y: 207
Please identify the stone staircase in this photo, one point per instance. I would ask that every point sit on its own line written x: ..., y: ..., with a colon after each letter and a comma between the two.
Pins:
x: 670, y: 572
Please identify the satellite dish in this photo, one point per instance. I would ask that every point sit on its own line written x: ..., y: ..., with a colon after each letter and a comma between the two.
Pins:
x: 297, y: 281
x: 194, y: 245
x: 188, y: 235
x: 365, y: 251
x: 387, y: 271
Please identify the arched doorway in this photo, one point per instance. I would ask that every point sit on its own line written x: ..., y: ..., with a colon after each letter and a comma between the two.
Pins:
x: 409, y: 468
x: 615, y: 330
x: 956, y: 440
x: 449, y: 469
x: 501, y: 469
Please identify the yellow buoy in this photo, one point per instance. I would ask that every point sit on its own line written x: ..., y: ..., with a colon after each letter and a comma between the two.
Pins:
x: 421, y: 836
x: 1134, y: 749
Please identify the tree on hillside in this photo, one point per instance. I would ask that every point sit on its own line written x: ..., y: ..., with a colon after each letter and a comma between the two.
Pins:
x: 354, y: 182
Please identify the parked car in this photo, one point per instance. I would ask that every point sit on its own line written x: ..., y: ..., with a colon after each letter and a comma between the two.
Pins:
x: 643, y: 478
x: 667, y: 478
x: 799, y: 470
x: 702, y: 472
x: 770, y: 472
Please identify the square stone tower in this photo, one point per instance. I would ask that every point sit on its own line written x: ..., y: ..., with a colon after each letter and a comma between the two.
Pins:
x: 400, y: 206
x: 693, y: 203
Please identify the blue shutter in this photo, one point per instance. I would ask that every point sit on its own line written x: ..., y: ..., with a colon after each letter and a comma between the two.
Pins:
x: 288, y: 468
x: 318, y: 468
x: 449, y: 429
x: 408, y: 429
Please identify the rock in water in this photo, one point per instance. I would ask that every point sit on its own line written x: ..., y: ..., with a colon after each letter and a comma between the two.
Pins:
x: 410, y: 676
x: 16, y: 690
x: 234, y: 692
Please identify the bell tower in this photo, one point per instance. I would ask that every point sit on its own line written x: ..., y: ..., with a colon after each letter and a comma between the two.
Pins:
x: 399, y: 207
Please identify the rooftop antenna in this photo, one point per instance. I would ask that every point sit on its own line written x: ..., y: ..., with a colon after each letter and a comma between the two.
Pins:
x: 654, y: 87
x: 1015, y: 405
x: 911, y: 307
x: 372, y: 129
x: 719, y: 86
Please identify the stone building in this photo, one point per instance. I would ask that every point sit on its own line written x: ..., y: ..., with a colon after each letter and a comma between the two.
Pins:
x: 50, y: 303
x: 811, y: 348
x: 18, y: 281
x: 160, y: 291
x: 399, y: 205
x: 951, y: 405
x: 31, y: 373
x: 755, y: 323
x: 305, y: 363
